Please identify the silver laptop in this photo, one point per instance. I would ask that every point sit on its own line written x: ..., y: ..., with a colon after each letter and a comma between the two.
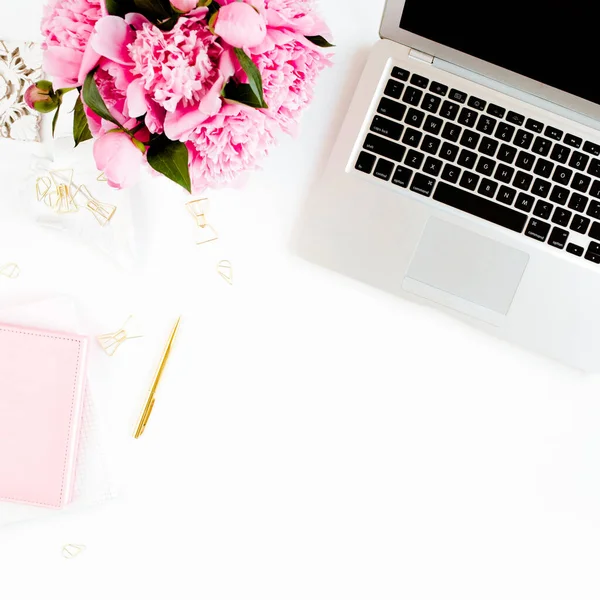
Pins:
x: 467, y: 171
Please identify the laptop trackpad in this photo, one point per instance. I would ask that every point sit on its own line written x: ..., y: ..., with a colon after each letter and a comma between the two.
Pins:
x: 465, y: 271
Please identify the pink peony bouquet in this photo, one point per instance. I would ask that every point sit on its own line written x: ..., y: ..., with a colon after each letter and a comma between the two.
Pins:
x: 197, y: 89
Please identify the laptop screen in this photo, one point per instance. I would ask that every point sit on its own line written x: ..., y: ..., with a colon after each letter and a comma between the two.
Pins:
x: 553, y: 42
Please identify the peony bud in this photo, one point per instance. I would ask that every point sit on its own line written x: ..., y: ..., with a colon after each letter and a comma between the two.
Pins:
x: 184, y: 6
x: 240, y: 25
x: 41, y: 97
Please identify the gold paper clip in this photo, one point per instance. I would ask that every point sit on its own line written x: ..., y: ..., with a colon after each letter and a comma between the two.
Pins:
x: 10, y: 270
x: 70, y: 551
x: 102, y: 178
x: 102, y: 212
x: 197, y: 208
x: 43, y: 185
x: 64, y: 203
x: 225, y: 270
x: 111, y: 342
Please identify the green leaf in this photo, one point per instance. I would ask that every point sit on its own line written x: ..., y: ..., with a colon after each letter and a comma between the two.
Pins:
x: 241, y: 93
x: 119, y: 7
x: 94, y: 101
x: 55, y: 120
x: 171, y: 160
x: 81, y: 128
x: 254, y: 76
x: 320, y: 41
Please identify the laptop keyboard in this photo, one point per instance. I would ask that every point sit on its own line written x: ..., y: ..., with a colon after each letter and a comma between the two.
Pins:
x: 487, y: 161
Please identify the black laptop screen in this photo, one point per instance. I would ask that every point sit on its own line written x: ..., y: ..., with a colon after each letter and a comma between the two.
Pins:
x: 553, y: 42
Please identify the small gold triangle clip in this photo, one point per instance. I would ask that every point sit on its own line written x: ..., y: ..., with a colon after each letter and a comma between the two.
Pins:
x: 207, y: 233
x: 10, y: 270
x: 225, y: 270
x: 70, y: 551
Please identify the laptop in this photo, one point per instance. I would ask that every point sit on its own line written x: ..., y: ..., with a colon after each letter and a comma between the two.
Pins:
x: 466, y: 175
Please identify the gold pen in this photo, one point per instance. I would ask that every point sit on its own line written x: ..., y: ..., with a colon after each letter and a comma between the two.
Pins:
x: 152, y: 396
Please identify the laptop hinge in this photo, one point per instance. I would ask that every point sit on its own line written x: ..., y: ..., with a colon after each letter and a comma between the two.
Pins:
x: 418, y: 55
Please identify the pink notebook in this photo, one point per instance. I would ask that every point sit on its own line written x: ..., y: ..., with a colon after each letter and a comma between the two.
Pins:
x: 42, y: 379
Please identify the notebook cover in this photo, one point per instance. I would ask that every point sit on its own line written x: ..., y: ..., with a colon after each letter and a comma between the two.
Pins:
x: 42, y: 377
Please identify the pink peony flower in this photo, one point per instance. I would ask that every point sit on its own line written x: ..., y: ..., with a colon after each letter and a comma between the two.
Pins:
x: 240, y: 25
x: 119, y: 158
x: 184, y: 6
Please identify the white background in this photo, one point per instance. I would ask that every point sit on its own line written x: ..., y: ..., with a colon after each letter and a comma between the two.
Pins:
x: 313, y: 438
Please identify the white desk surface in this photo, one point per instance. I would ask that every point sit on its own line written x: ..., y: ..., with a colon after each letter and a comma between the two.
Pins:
x: 314, y: 438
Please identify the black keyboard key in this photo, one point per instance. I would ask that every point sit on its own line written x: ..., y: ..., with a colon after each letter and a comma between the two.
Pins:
x: 431, y: 144
x: 438, y: 88
x: 543, y: 168
x: 504, y: 173
x: 595, y: 232
x: 543, y: 209
x: 562, y: 175
x: 594, y: 209
x: 394, y: 89
x: 384, y: 147
x: 581, y: 183
x: 433, y: 125
x: 451, y: 132
x: 458, y: 96
x: 523, y: 180
x: 595, y: 189
x: 480, y: 207
x: 515, y: 118
x: 469, y: 180
x: 506, y: 195
x: 365, y: 162
x: 534, y: 125
x: 488, y: 188
x: 414, y: 117
x: 560, y: 153
x: 488, y: 146
x: 477, y: 103
x: 579, y: 161
x: 391, y: 109
x: 541, y: 146
x: 553, y: 133
x: 507, y: 153
x: 486, y: 124
x: 419, y: 81
x: 412, y: 96
x: 449, y: 110
x: 505, y: 132
x: 486, y: 166
x: 432, y: 166
x: 398, y: 73
x: 383, y: 169
x: 523, y: 139
x: 496, y: 111
x: 525, y: 161
x: 402, y: 176
x: 592, y: 257
x: 423, y: 185
x: 575, y: 249
x: 594, y: 168
x: 449, y: 152
x: 467, y: 159
x: 451, y: 173
x: 578, y: 202
x: 541, y: 188
x: 560, y: 195
x: 525, y: 202
x: 572, y: 140
x: 431, y: 103
x: 414, y: 159
x: 538, y: 230
x: 468, y: 117
x: 558, y: 238
x: 412, y: 137
x: 470, y: 139
x: 388, y: 128
x: 561, y: 216
x: 592, y: 148
x: 580, y: 224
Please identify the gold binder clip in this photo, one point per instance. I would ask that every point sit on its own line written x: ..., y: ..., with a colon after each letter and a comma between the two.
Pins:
x: 225, y: 270
x: 70, y: 551
x: 111, y: 342
x: 102, y: 212
x: 207, y: 233
x: 10, y: 270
